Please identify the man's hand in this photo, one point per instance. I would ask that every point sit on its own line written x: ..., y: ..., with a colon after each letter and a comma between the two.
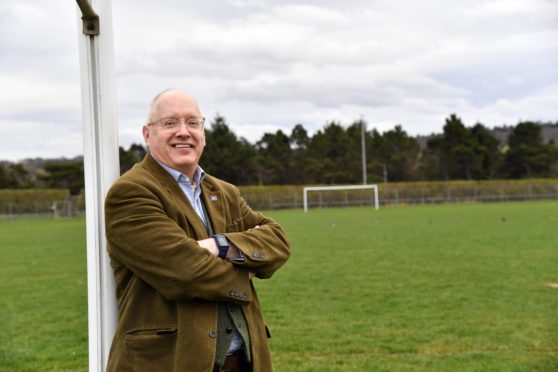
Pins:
x: 210, y: 245
x: 233, y: 252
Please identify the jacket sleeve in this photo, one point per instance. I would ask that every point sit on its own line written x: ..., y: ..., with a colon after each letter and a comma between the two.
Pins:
x: 145, y: 240
x: 266, y: 248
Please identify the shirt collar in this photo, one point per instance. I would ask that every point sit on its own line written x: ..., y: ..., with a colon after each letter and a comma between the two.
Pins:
x: 199, y: 174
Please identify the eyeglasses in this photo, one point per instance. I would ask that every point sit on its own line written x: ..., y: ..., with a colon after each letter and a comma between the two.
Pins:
x: 172, y: 123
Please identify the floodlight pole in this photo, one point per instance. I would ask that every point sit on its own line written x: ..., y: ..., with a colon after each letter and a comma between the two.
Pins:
x: 101, y: 168
x: 363, y: 149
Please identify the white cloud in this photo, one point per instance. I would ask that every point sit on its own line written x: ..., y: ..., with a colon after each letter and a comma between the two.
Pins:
x: 37, y: 138
x: 266, y: 65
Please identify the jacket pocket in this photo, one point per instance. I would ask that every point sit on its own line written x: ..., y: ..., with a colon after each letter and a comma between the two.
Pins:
x: 152, y: 349
x: 233, y: 227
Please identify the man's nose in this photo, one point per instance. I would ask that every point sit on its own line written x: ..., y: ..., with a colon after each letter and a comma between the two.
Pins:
x: 183, y: 129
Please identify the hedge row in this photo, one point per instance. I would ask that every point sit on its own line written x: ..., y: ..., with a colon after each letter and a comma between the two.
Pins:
x: 275, y: 197
x: 40, y: 201
x: 291, y: 196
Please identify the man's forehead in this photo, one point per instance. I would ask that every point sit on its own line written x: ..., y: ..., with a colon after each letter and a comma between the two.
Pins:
x: 176, y: 101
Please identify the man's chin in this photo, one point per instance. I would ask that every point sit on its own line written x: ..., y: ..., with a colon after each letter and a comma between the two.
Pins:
x: 184, y: 163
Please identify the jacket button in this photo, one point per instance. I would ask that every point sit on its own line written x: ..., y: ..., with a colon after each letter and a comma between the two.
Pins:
x: 212, y: 334
x: 228, y: 330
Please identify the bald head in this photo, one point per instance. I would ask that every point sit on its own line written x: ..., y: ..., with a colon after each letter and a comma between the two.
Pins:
x: 169, y: 94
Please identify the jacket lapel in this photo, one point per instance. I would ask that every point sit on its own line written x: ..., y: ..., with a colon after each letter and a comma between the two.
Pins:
x: 171, y: 186
x: 215, y: 206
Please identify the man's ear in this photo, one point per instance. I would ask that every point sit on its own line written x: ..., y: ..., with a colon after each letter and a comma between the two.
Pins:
x: 145, y: 132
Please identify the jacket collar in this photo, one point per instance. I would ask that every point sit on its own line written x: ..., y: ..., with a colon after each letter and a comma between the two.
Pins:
x: 212, y: 197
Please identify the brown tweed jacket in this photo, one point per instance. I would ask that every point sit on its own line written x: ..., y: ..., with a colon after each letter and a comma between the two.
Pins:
x: 168, y: 287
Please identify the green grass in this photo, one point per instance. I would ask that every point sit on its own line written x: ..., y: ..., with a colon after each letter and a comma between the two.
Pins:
x: 432, y: 288
x: 425, y: 288
x: 43, y: 295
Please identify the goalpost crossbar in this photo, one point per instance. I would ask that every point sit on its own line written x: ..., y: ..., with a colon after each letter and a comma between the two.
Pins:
x: 333, y: 188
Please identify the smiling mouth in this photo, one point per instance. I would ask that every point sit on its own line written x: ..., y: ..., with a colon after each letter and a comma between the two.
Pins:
x: 183, y: 146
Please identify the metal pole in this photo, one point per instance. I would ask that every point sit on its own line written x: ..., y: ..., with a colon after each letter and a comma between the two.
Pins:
x: 363, y: 149
x: 101, y: 168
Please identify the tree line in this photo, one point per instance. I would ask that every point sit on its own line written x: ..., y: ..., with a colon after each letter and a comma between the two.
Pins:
x: 333, y: 155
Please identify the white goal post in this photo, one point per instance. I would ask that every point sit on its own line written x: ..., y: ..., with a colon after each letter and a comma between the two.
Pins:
x: 350, y: 187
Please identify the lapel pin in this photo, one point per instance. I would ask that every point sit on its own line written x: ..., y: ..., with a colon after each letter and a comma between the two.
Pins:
x: 213, y: 198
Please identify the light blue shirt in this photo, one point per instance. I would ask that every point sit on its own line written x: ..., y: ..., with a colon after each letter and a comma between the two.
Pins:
x: 190, y: 188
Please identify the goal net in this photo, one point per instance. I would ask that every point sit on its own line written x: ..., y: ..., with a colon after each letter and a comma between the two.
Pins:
x: 373, y: 197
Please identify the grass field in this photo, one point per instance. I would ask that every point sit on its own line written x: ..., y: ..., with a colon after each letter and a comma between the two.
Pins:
x: 423, y: 288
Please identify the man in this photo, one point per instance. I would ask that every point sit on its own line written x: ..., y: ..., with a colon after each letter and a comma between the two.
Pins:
x: 184, y: 247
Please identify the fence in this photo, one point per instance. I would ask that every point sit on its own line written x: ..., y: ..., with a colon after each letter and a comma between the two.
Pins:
x: 41, y: 203
x: 58, y: 203
x: 462, y: 192
x: 405, y: 193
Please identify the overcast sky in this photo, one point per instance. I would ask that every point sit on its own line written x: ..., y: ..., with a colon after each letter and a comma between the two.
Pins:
x: 268, y: 65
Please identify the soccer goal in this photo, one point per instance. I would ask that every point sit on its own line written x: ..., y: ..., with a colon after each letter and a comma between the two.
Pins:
x: 374, y: 188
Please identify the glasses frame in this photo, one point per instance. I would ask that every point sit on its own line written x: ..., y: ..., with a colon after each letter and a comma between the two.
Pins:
x: 188, y: 122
